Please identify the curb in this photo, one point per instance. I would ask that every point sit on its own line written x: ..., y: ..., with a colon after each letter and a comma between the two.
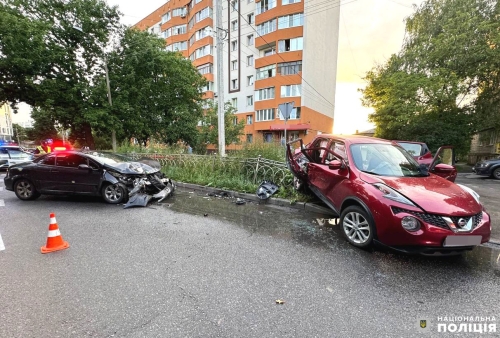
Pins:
x: 310, y: 207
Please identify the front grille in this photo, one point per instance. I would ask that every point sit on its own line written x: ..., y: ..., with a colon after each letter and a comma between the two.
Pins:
x: 427, y: 218
x: 476, y: 219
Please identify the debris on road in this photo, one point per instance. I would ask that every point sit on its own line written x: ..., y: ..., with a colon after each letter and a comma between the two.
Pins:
x: 240, y: 201
x: 266, y: 190
x: 279, y: 301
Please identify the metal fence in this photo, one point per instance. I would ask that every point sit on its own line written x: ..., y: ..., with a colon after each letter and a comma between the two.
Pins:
x: 255, y: 170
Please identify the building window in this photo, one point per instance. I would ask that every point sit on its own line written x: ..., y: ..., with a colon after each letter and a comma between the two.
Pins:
x: 177, y: 46
x: 250, y: 40
x: 208, y: 87
x: 234, y: 102
x: 271, y: 51
x: 249, y: 119
x: 234, y: 5
x: 266, y: 27
x: 291, y: 90
x: 264, y: 115
x: 250, y: 60
x: 200, y: 52
x: 266, y: 72
x: 206, y: 69
x: 290, y: 45
x: 264, y: 94
x: 250, y: 102
x: 179, y: 11
x: 202, y: 33
x: 234, y: 45
x: 288, y: 2
x: 265, y: 5
x: 234, y: 25
x: 249, y: 138
x: 292, y: 20
x: 235, y: 121
x: 181, y: 29
x: 290, y: 68
x: 294, y: 114
x: 268, y: 137
x: 234, y: 65
x: 234, y: 84
x: 250, y: 18
x: 203, y: 14
x: 250, y: 80
x: 166, y: 17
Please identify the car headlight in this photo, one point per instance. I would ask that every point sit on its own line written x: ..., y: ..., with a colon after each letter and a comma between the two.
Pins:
x: 470, y: 191
x: 393, y: 194
x: 484, y: 165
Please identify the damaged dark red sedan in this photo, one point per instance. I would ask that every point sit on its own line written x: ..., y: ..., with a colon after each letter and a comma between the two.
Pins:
x: 382, y: 195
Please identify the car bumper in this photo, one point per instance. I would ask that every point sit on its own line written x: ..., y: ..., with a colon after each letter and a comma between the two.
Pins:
x: 481, y: 171
x: 429, y: 236
x: 9, y: 184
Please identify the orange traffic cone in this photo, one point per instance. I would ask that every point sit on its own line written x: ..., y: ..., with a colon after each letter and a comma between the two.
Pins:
x: 55, y: 241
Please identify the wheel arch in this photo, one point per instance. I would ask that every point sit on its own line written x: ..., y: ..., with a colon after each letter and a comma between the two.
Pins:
x: 354, y: 201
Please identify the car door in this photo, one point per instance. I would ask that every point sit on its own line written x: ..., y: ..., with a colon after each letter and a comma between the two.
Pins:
x: 443, y: 164
x: 40, y: 174
x: 327, y: 174
x: 73, y: 179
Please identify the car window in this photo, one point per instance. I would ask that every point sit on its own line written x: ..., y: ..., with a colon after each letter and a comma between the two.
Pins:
x: 18, y: 155
x: 317, y: 154
x: 70, y: 160
x: 93, y: 165
x: 413, y: 148
x: 338, y: 148
x: 3, y: 151
x: 48, y: 160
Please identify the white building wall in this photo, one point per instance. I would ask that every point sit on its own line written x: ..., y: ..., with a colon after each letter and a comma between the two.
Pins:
x: 319, y: 60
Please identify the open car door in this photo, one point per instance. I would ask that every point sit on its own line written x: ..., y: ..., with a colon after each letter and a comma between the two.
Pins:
x: 443, y: 163
x: 297, y: 160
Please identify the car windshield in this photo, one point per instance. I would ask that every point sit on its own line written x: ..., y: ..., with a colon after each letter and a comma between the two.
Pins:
x: 413, y: 148
x: 107, y: 158
x: 385, y: 160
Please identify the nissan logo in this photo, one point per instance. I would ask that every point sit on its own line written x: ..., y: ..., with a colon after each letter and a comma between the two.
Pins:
x: 462, y: 222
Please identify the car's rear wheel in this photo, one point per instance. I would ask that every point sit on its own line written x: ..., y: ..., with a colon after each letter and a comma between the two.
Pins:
x: 496, y: 173
x: 114, y: 193
x: 25, y: 190
x: 357, y: 226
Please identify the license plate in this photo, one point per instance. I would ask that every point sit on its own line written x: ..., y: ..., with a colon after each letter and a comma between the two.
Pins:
x: 462, y: 241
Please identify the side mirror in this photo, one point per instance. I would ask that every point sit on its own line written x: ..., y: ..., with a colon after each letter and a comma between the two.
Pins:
x: 335, y: 165
x: 83, y: 167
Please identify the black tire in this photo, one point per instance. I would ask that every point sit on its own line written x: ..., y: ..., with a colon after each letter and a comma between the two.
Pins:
x: 114, y: 193
x: 357, y: 227
x: 496, y: 173
x: 25, y: 190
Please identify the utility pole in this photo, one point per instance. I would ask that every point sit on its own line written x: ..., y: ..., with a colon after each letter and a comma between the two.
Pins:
x: 113, y: 132
x: 220, y: 79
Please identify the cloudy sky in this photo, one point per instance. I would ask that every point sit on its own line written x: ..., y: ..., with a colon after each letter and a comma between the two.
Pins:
x: 370, y: 31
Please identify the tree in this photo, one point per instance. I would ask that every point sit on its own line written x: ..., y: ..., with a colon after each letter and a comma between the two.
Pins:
x: 444, y: 82
x: 156, y: 94
x: 47, y: 63
x: 209, y: 132
x: 43, y: 126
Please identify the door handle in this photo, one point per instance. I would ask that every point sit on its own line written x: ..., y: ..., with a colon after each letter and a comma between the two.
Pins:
x: 54, y: 171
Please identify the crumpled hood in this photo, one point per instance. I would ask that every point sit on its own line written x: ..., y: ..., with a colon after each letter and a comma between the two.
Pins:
x: 434, y: 194
x: 132, y: 168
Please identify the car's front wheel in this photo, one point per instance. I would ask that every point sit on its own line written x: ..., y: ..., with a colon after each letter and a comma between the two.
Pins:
x: 114, y: 193
x: 496, y: 173
x: 357, y: 226
x: 25, y: 190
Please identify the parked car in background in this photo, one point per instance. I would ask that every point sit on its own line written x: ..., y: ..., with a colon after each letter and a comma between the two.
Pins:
x: 382, y: 195
x: 10, y: 155
x: 489, y: 168
x: 421, y: 153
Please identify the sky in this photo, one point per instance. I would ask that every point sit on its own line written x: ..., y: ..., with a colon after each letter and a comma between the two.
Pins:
x: 369, y: 32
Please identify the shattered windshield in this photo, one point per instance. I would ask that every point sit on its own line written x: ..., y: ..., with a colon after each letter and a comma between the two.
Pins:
x: 385, y: 160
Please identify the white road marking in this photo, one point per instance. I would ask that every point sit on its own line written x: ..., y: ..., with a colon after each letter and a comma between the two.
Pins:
x: 2, y: 203
x: 1, y: 189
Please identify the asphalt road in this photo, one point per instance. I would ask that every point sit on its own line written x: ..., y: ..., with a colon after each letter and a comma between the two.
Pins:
x: 169, y: 271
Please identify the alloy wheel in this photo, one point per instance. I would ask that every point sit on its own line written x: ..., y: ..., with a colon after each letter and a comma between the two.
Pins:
x: 113, y: 193
x: 24, y: 189
x: 356, y: 227
x: 496, y: 173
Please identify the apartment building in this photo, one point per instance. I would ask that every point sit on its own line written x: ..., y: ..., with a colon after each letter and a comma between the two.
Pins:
x: 275, y: 51
x: 6, y: 131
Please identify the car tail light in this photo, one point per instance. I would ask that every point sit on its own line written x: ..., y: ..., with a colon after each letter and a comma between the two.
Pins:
x: 410, y: 223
